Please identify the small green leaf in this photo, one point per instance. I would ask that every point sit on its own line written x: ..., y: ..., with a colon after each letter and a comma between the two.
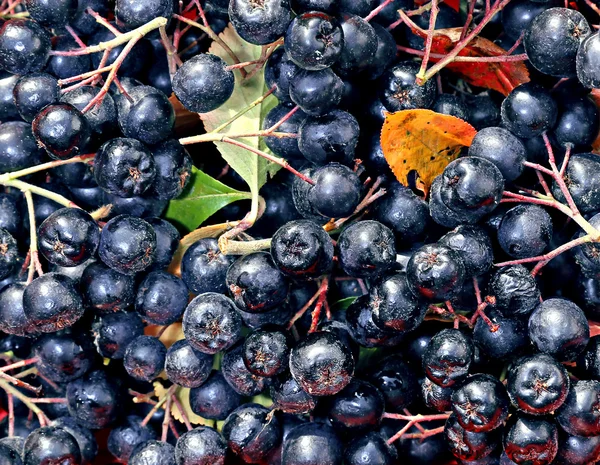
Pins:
x: 252, y: 168
x: 202, y: 197
x: 343, y: 304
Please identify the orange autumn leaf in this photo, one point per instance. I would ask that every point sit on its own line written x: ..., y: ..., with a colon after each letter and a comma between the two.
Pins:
x: 423, y: 141
x: 502, y: 77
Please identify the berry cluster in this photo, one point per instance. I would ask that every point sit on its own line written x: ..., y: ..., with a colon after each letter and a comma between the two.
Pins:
x: 331, y: 315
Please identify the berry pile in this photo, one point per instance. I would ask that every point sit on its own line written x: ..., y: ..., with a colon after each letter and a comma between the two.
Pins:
x: 218, y: 245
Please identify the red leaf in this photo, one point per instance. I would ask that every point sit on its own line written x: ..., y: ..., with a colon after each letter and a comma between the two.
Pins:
x: 500, y: 76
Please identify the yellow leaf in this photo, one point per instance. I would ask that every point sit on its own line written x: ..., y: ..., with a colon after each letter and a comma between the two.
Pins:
x: 423, y: 141
x: 183, y: 395
x: 171, y: 335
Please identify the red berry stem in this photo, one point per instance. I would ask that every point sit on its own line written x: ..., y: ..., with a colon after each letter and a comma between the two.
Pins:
x: 184, y: 416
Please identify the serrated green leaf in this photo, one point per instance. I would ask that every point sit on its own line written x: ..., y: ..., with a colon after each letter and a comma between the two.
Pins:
x: 252, y: 168
x: 202, y: 197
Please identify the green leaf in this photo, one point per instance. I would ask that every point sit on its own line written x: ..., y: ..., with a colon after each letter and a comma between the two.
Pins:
x: 203, y: 196
x: 252, y: 168
x: 343, y: 304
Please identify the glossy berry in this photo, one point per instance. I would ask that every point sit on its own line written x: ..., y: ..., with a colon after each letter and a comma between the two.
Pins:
x: 286, y: 147
x: 52, y: 13
x: 321, y: 364
x: 62, y: 357
x: 145, y: 358
x: 102, y: 118
x: 64, y: 66
x: 357, y: 408
x: 114, y: 331
x: 203, y: 267
x: 84, y: 437
x: 480, y: 403
x: 528, y: 111
x: 167, y: 240
x: 473, y: 245
x: 9, y: 455
x: 312, y: 443
x: 515, y: 290
x: 395, y: 307
x: 525, y: 231
x: 12, y: 315
x: 201, y: 446
x: 505, y: 339
x: 336, y: 192
x: 330, y: 138
x: 397, y: 381
x: 173, y: 170
x: 211, y: 323
x: 124, y: 167
x: 288, y: 396
x: 517, y: 16
x: 582, y: 185
x: 537, y: 384
x: 279, y: 72
x: 468, y: 445
x: 266, y: 353
x: 186, y: 367
x: 124, y: 438
x: 577, y: 123
x: 448, y: 357
x: 405, y: 213
x: 588, y: 361
x: 148, y: 116
x: 237, y: 375
x: 302, y: 249
x: 435, y: 272
x: 587, y: 61
x: 530, y: 440
x: 260, y: 22
x: 500, y: 147
x: 370, y: 448
x: 579, y: 414
x: 471, y: 187
x: 9, y: 253
x: 552, y: 40
x: 158, y: 452
x: 251, y: 432
x: 24, y: 46
x: 52, y: 302
x: 215, y: 399
x: 94, y: 399
x: 436, y: 397
x: 134, y: 14
x: 559, y: 327
x: 360, y: 45
x: 399, y: 91
x: 68, y: 237
x: 18, y: 147
x: 203, y: 84
x: 51, y: 444
x: 362, y: 328
x: 33, y: 92
x: 256, y: 284
x: 316, y: 92
x: 105, y: 289
x: 366, y: 249
x: 577, y: 450
x: 62, y: 130
x: 161, y: 298
x: 127, y: 244
x: 452, y: 105
x: 314, y: 40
